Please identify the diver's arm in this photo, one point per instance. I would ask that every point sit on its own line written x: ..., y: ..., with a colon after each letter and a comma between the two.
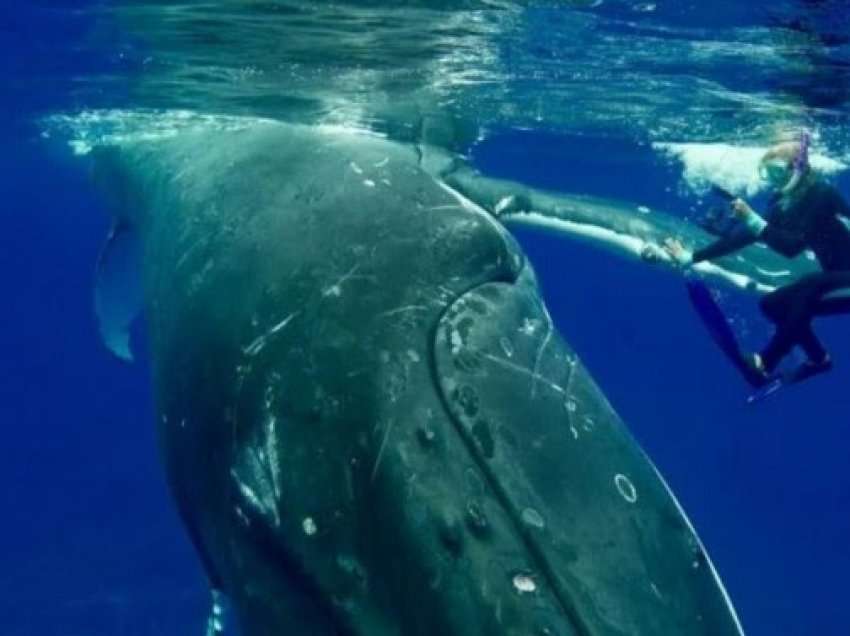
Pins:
x: 724, y: 246
x: 840, y: 205
x: 753, y: 228
x: 780, y: 240
x: 685, y: 258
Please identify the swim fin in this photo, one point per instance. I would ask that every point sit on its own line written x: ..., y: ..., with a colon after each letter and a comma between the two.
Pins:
x: 799, y: 374
x: 721, y: 333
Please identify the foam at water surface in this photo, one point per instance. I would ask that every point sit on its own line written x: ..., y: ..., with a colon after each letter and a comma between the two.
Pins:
x: 116, y: 127
x: 734, y: 168
x: 88, y: 129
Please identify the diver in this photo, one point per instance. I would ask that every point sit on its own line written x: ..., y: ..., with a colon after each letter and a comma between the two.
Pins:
x: 804, y: 213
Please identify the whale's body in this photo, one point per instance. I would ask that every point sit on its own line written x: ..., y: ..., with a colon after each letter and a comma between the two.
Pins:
x: 368, y: 421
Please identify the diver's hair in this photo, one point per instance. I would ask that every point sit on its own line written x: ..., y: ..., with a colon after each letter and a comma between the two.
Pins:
x: 794, y: 151
x: 806, y: 180
x: 786, y: 151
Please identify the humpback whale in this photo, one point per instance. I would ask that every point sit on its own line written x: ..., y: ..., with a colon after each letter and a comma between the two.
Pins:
x: 368, y: 421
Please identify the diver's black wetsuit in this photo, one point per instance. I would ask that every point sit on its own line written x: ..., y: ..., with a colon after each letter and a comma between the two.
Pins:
x: 813, y: 222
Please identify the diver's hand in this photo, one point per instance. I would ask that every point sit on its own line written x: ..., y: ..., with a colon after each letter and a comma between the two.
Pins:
x: 755, y: 224
x: 742, y: 209
x: 678, y: 252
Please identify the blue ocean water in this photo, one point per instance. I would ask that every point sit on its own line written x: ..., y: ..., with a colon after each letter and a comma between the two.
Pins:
x: 91, y: 544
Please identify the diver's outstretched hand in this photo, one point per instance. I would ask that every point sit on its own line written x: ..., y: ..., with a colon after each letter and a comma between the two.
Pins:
x: 681, y: 255
x: 742, y: 209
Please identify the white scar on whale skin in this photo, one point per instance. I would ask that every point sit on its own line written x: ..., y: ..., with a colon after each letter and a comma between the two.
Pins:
x: 403, y: 309
x: 381, y: 450
x: 550, y: 327
x: 336, y: 288
x: 258, y: 475
x: 272, y: 457
x: 247, y: 492
x: 524, y: 371
x: 257, y: 345
x: 503, y: 204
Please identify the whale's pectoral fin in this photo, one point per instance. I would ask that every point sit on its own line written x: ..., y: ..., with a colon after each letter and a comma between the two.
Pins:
x: 624, y: 228
x: 118, y: 289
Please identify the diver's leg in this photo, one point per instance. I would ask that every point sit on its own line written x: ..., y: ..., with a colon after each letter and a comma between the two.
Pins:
x: 802, y: 301
x: 835, y: 299
x: 808, y: 341
x: 832, y: 307
x: 792, y: 309
x: 780, y: 345
x: 776, y: 304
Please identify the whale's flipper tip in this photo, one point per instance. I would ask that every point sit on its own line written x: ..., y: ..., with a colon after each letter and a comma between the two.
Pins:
x: 118, y: 290
x: 118, y: 343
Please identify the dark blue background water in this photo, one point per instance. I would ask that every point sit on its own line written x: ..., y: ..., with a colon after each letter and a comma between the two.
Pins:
x: 89, y: 541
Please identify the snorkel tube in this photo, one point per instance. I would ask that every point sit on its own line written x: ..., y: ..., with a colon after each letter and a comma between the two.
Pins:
x: 800, y: 163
